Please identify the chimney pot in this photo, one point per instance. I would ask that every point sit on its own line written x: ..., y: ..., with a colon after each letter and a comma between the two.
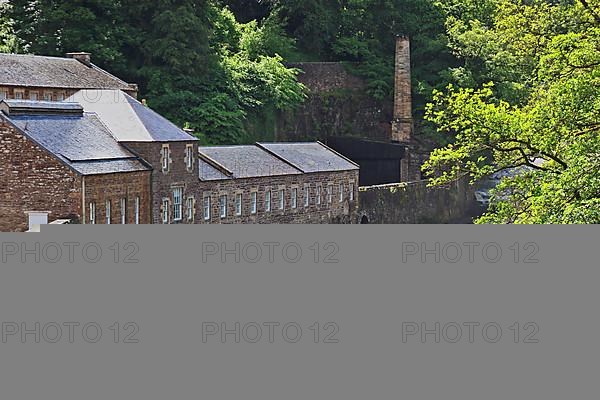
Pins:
x: 82, y: 57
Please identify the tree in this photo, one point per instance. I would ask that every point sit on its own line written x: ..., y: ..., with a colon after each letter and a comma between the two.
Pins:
x: 551, y: 131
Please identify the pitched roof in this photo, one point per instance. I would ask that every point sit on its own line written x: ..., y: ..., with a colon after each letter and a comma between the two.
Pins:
x: 82, y: 142
x: 128, y: 119
x: 209, y: 172
x: 310, y: 157
x: 55, y: 72
x: 247, y: 161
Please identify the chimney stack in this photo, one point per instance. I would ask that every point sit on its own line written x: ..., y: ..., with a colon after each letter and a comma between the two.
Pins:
x: 84, y: 58
x: 402, y: 125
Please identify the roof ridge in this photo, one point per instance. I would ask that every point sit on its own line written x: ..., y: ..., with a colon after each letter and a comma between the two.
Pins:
x: 261, y: 146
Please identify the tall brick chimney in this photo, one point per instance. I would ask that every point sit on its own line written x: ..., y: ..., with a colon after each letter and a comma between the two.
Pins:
x: 84, y: 58
x: 402, y: 125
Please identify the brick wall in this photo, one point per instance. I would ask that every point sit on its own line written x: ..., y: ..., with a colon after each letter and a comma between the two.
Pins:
x: 99, y: 189
x: 416, y: 203
x: 334, y: 212
x: 31, y: 179
x: 178, y: 176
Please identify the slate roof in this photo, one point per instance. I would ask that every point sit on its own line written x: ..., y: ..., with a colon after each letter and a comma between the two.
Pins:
x: 248, y: 161
x: 128, y: 119
x: 54, y: 72
x: 82, y: 142
x: 310, y: 157
x: 211, y: 173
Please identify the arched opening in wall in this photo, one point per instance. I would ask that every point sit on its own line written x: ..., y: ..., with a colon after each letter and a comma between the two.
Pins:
x: 364, y: 220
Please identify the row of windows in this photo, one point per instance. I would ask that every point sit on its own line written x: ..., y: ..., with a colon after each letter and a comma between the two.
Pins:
x: 176, y: 210
x: 269, y: 203
x: 108, y: 212
x: 20, y: 95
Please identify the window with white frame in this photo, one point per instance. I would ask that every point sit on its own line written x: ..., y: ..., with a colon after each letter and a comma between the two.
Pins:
x: 92, y: 217
x: 18, y: 95
x: 190, y: 208
x: 306, y: 196
x: 165, y: 211
x: 268, y: 196
x: 177, y: 204
x: 330, y: 194
x: 223, y: 206
x: 60, y: 97
x: 351, y: 190
x: 164, y: 157
x: 33, y: 96
x: 341, y: 188
x: 123, y: 211
x: 137, y: 210
x: 3, y: 94
x: 294, y: 198
x: 108, y: 212
x: 319, y: 190
x: 48, y: 96
x: 207, y: 207
x: 189, y: 157
x: 281, y: 199
x: 253, y: 202
x: 238, y: 204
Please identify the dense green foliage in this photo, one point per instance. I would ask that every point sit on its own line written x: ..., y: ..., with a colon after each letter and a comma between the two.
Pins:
x: 194, y: 62
x: 540, y: 110
x: 222, y: 72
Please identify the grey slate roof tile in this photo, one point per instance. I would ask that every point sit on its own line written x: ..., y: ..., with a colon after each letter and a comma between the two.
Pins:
x: 54, y: 72
x: 210, y: 173
x: 82, y: 142
x: 248, y: 161
x: 310, y: 157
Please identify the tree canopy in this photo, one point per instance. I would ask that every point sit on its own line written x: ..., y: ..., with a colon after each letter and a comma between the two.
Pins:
x: 539, y: 110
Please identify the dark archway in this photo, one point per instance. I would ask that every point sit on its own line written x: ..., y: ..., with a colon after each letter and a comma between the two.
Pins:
x: 364, y: 220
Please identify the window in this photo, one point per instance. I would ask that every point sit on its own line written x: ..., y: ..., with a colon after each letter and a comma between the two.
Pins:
x: 341, y: 192
x: 177, y: 204
x: 108, y: 212
x: 123, y: 211
x: 165, y: 211
x: 189, y: 157
x: 306, y: 196
x: 137, y: 210
x: 330, y: 194
x: 18, y: 95
x: 268, y: 195
x: 190, y: 208
x: 294, y: 198
x: 223, y: 206
x: 48, y: 96
x: 206, y: 208
x: 319, y: 195
x: 33, y: 96
x: 3, y: 94
x: 351, y: 191
x: 253, y: 201
x: 60, y: 97
x: 164, y: 158
x: 92, y: 213
x: 238, y: 204
x: 281, y: 199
